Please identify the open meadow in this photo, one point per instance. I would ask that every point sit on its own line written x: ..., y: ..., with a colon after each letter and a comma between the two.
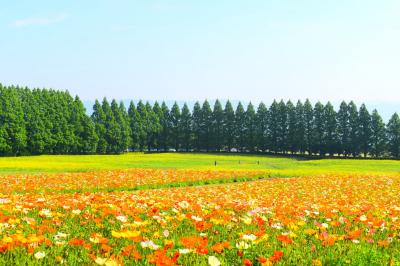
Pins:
x: 198, y: 209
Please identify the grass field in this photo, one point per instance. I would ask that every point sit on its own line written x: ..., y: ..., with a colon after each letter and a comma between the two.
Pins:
x: 181, y: 209
x: 273, y: 165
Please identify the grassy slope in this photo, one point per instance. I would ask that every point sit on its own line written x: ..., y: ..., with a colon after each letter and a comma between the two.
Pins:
x: 276, y: 166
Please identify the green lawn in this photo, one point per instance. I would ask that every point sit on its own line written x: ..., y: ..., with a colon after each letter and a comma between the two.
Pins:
x: 274, y: 165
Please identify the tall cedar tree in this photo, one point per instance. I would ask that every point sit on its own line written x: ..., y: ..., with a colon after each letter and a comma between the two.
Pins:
x: 99, y: 119
x: 240, y: 128
x: 282, y: 127
x: 378, y: 134
x: 330, y: 134
x: 37, y: 134
x: 343, y: 129
x: 12, y: 124
x: 83, y: 129
x: 308, y: 126
x: 186, y: 128
x: 158, y: 111
x: 217, y: 126
x: 153, y: 127
x: 197, y: 117
x: 143, y: 121
x: 113, y: 130
x: 393, y: 135
x: 291, y: 127
x: 364, y: 130
x: 273, y: 127
x: 165, y: 127
x: 250, y: 128
x: 123, y: 119
x: 206, y: 126
x: 135, y: 126
x: 318, y: 130
x: 262, y: 127
x: 175, y: 119
x: 229, y: 126
x: 354, y: 147
x: 299, y: 143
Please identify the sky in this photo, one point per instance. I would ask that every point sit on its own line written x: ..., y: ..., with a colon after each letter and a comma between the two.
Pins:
x: 255, y: 50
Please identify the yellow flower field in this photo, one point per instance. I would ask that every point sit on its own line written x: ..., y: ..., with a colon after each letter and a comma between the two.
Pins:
x: 318, y: 220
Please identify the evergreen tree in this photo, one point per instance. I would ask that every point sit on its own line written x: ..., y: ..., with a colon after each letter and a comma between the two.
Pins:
x: 262, y: 127
x: 250, y: 128
x: 144, y: 120
x: 299, y: 142
x: 330, y: 134
x: 83, y: 129
x: 229, y: 126
x: 153, y: 127
x: 217, y: 126
x: 393, y: 135
x: 308, y: 126
x: 118, y: 128
x: 135, y: 126
x: 43, y: 121
x: 49, y: 121
x: 175, y: 117
x: 354, y: 147
x: 186, y: 127
x: 378, y: 134
x: 160, y: 114
x: 273, y: 127
x: 343, y: 129
x: 99, y: 120
x: 62, y: 131
x: 291, y: 120
x: 364, y: 130
x: 318, y: 130
x: 197, y: 117
x: 165, y: 127
x: 125, y: 127
x: 206, y: 126
x: 113, y: 131
x: 240, y: 127
x: 37, y: 133
x: 12, y: 124
x: 282, y: 127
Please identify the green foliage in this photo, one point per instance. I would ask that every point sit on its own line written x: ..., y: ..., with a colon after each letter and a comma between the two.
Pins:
x: 240, y: 127
x: 364, y: 130
x: 229, y: 126
x: 175, y: 122
x: 197, y: 117
x: 186, y: 128
x: 378, y: 134
x: 217, y: 126
x: 206, y: 126
x: 99, y: 119
x: 330, y: 129
x: 250, y: 128
x: 12, y: 124
x: 53, y: 122
x: 135, y: 126
x: 262, y: 127
x: 393, y: 135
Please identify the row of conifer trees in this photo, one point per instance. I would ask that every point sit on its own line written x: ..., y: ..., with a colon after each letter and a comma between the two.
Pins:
x: 44, y: 121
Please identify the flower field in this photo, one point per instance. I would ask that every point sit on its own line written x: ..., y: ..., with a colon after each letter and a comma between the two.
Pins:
x: 311, y: 220
x: 128, y: 179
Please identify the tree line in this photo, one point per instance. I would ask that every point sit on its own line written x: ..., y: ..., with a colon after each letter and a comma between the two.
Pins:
x: 41, y: 121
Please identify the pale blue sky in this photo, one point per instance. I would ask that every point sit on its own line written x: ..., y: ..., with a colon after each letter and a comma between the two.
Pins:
x: 192, y: 50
